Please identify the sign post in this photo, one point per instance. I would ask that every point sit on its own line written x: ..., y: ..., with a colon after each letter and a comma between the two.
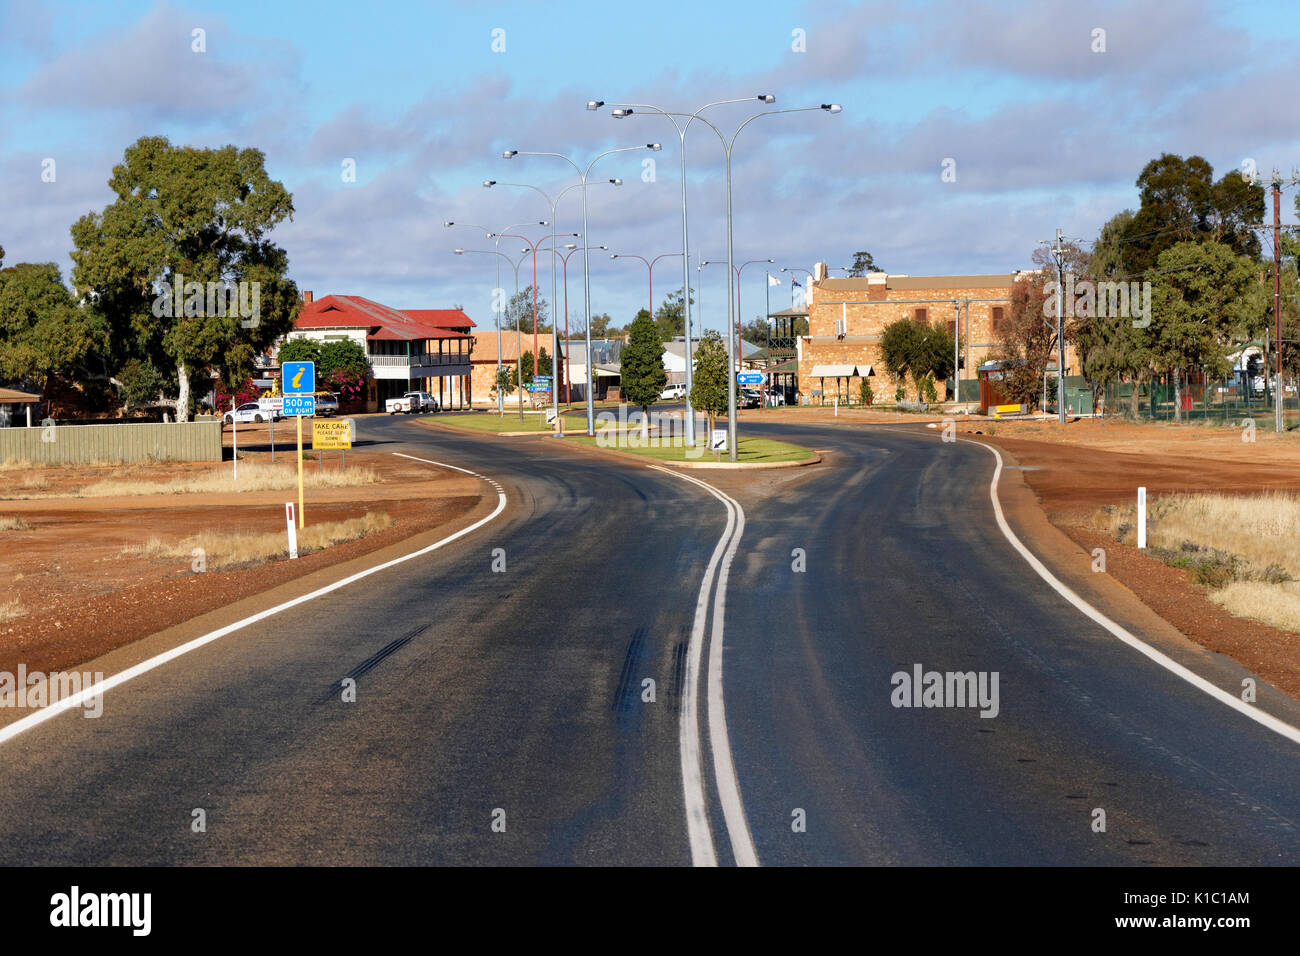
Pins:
x: 298, y: 385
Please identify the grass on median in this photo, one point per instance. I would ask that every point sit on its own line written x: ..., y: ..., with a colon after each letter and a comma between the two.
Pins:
x: 491, y: 422
x: 748, y: 450
x: 235, y: 550
x: 1240, y: 547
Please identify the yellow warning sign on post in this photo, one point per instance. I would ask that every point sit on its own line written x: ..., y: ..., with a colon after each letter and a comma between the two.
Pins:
x: 332, y: 435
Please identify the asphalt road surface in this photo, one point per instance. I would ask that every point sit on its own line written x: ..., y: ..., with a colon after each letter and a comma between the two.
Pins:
x: 501, y: 717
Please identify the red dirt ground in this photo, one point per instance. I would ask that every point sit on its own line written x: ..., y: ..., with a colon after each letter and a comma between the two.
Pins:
x: 85, y: 597
x: 1090, y: 464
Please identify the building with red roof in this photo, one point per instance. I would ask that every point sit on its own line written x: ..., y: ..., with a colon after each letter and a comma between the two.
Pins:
x: 409, y: 350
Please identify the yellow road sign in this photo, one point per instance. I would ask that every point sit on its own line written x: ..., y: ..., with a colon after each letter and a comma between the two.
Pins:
x: 331, y: 435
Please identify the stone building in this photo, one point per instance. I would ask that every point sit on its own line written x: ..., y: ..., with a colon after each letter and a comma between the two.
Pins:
x: 846, y: 318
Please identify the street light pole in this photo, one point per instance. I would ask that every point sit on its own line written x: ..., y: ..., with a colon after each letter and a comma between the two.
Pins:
x: 650, y: 265
x: 555, y: 332
x: 501, y: 408
x: 586, y: 259
x: 728, y: 146
x: 487, y: 232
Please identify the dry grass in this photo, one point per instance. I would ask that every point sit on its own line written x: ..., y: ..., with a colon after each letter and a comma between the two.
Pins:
x: 1244, y: 548
x: 1275, y: 604
x: 9, y: 610
x: 252, y: 477
x: 236, y: 550
x: 10, y: 523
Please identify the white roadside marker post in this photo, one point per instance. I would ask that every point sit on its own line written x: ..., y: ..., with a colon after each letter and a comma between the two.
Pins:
x: 234, y: 444
x: 293, y: 529
x: 1142, y: 517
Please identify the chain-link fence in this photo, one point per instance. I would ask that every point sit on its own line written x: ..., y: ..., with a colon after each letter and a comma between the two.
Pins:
x: 1225, y: 402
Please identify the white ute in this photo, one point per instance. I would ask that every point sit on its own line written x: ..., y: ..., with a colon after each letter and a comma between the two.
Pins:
x: 410, y: 403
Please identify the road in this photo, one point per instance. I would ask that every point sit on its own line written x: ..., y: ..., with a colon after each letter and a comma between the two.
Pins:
x: 499, y: 717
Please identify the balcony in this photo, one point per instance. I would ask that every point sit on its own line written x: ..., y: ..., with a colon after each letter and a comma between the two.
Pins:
x: 418, y: 366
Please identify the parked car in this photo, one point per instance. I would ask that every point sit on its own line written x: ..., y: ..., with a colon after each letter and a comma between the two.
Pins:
x: 327, y: 404
x: 249, y: 412
x: 673, y: 393
x: 411, y: 403
x: 750, y: 398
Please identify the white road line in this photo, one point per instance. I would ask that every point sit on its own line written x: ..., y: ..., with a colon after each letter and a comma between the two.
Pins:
x: 1168, y: 663
x: 733, y: 810
x: 95, y: 690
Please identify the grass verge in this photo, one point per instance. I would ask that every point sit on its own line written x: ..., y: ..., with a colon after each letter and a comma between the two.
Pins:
x: 252, y: 477
x: 221, y: 551
x: 1242, y: 548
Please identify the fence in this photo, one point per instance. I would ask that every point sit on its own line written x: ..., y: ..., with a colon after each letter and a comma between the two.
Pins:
x: 58, y: 444
x: 1225, y: 402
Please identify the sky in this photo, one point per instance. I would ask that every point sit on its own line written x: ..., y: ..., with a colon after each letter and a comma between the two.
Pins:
x: 970, y: 131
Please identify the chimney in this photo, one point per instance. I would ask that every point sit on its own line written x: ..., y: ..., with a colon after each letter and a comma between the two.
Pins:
x: 820, y: 271
x: 306, y: 297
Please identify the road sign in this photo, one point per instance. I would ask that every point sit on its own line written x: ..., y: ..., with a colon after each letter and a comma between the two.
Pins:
x: 751, y: 378
x: 536, y: 386
x: 332, y: 434
x: 300, y: 404
x: 298, y: 378
x: 718, y: 441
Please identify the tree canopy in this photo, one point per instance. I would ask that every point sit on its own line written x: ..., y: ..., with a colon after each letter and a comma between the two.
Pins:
x: 182, y: 247
x: 643, y: 375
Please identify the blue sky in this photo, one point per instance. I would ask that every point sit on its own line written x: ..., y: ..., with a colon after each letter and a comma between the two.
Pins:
x: 1043, y: 130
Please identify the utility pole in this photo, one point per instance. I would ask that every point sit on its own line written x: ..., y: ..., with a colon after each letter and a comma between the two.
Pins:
x: 1279, y: 393
x: 1058, y: 252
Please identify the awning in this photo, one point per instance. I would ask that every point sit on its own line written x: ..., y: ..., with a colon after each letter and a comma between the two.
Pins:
x: 841, y: 371
x: 11, y: 396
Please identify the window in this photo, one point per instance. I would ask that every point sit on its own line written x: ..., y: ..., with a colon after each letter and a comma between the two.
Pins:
x: 952, y: 327
x: 920, y: 316
x: 997, y: 319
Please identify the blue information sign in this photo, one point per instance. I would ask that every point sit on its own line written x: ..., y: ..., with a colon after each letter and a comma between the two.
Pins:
x: 751, y: 378
x: 298, y: 378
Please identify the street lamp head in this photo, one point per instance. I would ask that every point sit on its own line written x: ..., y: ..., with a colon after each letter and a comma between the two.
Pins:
x: 655, y: 146
x: 570, y: 245
x: 510, y: 154
x: 616, y: 182
x: 622, y: 113
x: 459, y: 252
x: 832, y: 107
x: 595, y: 104
x: 767, y: 98
x: 602, y: 247
x: 448, y: 224
x: 613, y: 255
x: 489, y: 183
x: 771, y: 260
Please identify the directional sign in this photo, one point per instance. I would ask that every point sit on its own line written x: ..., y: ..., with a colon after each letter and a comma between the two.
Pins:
x: 751, y: 378
x: 538, y: 386
x: 299, y: 378
x: 300, y: 404
x: 718, y: 440
x: 332, y: 434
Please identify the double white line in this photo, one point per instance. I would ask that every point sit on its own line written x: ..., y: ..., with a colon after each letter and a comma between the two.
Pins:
x: 698, y: 830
